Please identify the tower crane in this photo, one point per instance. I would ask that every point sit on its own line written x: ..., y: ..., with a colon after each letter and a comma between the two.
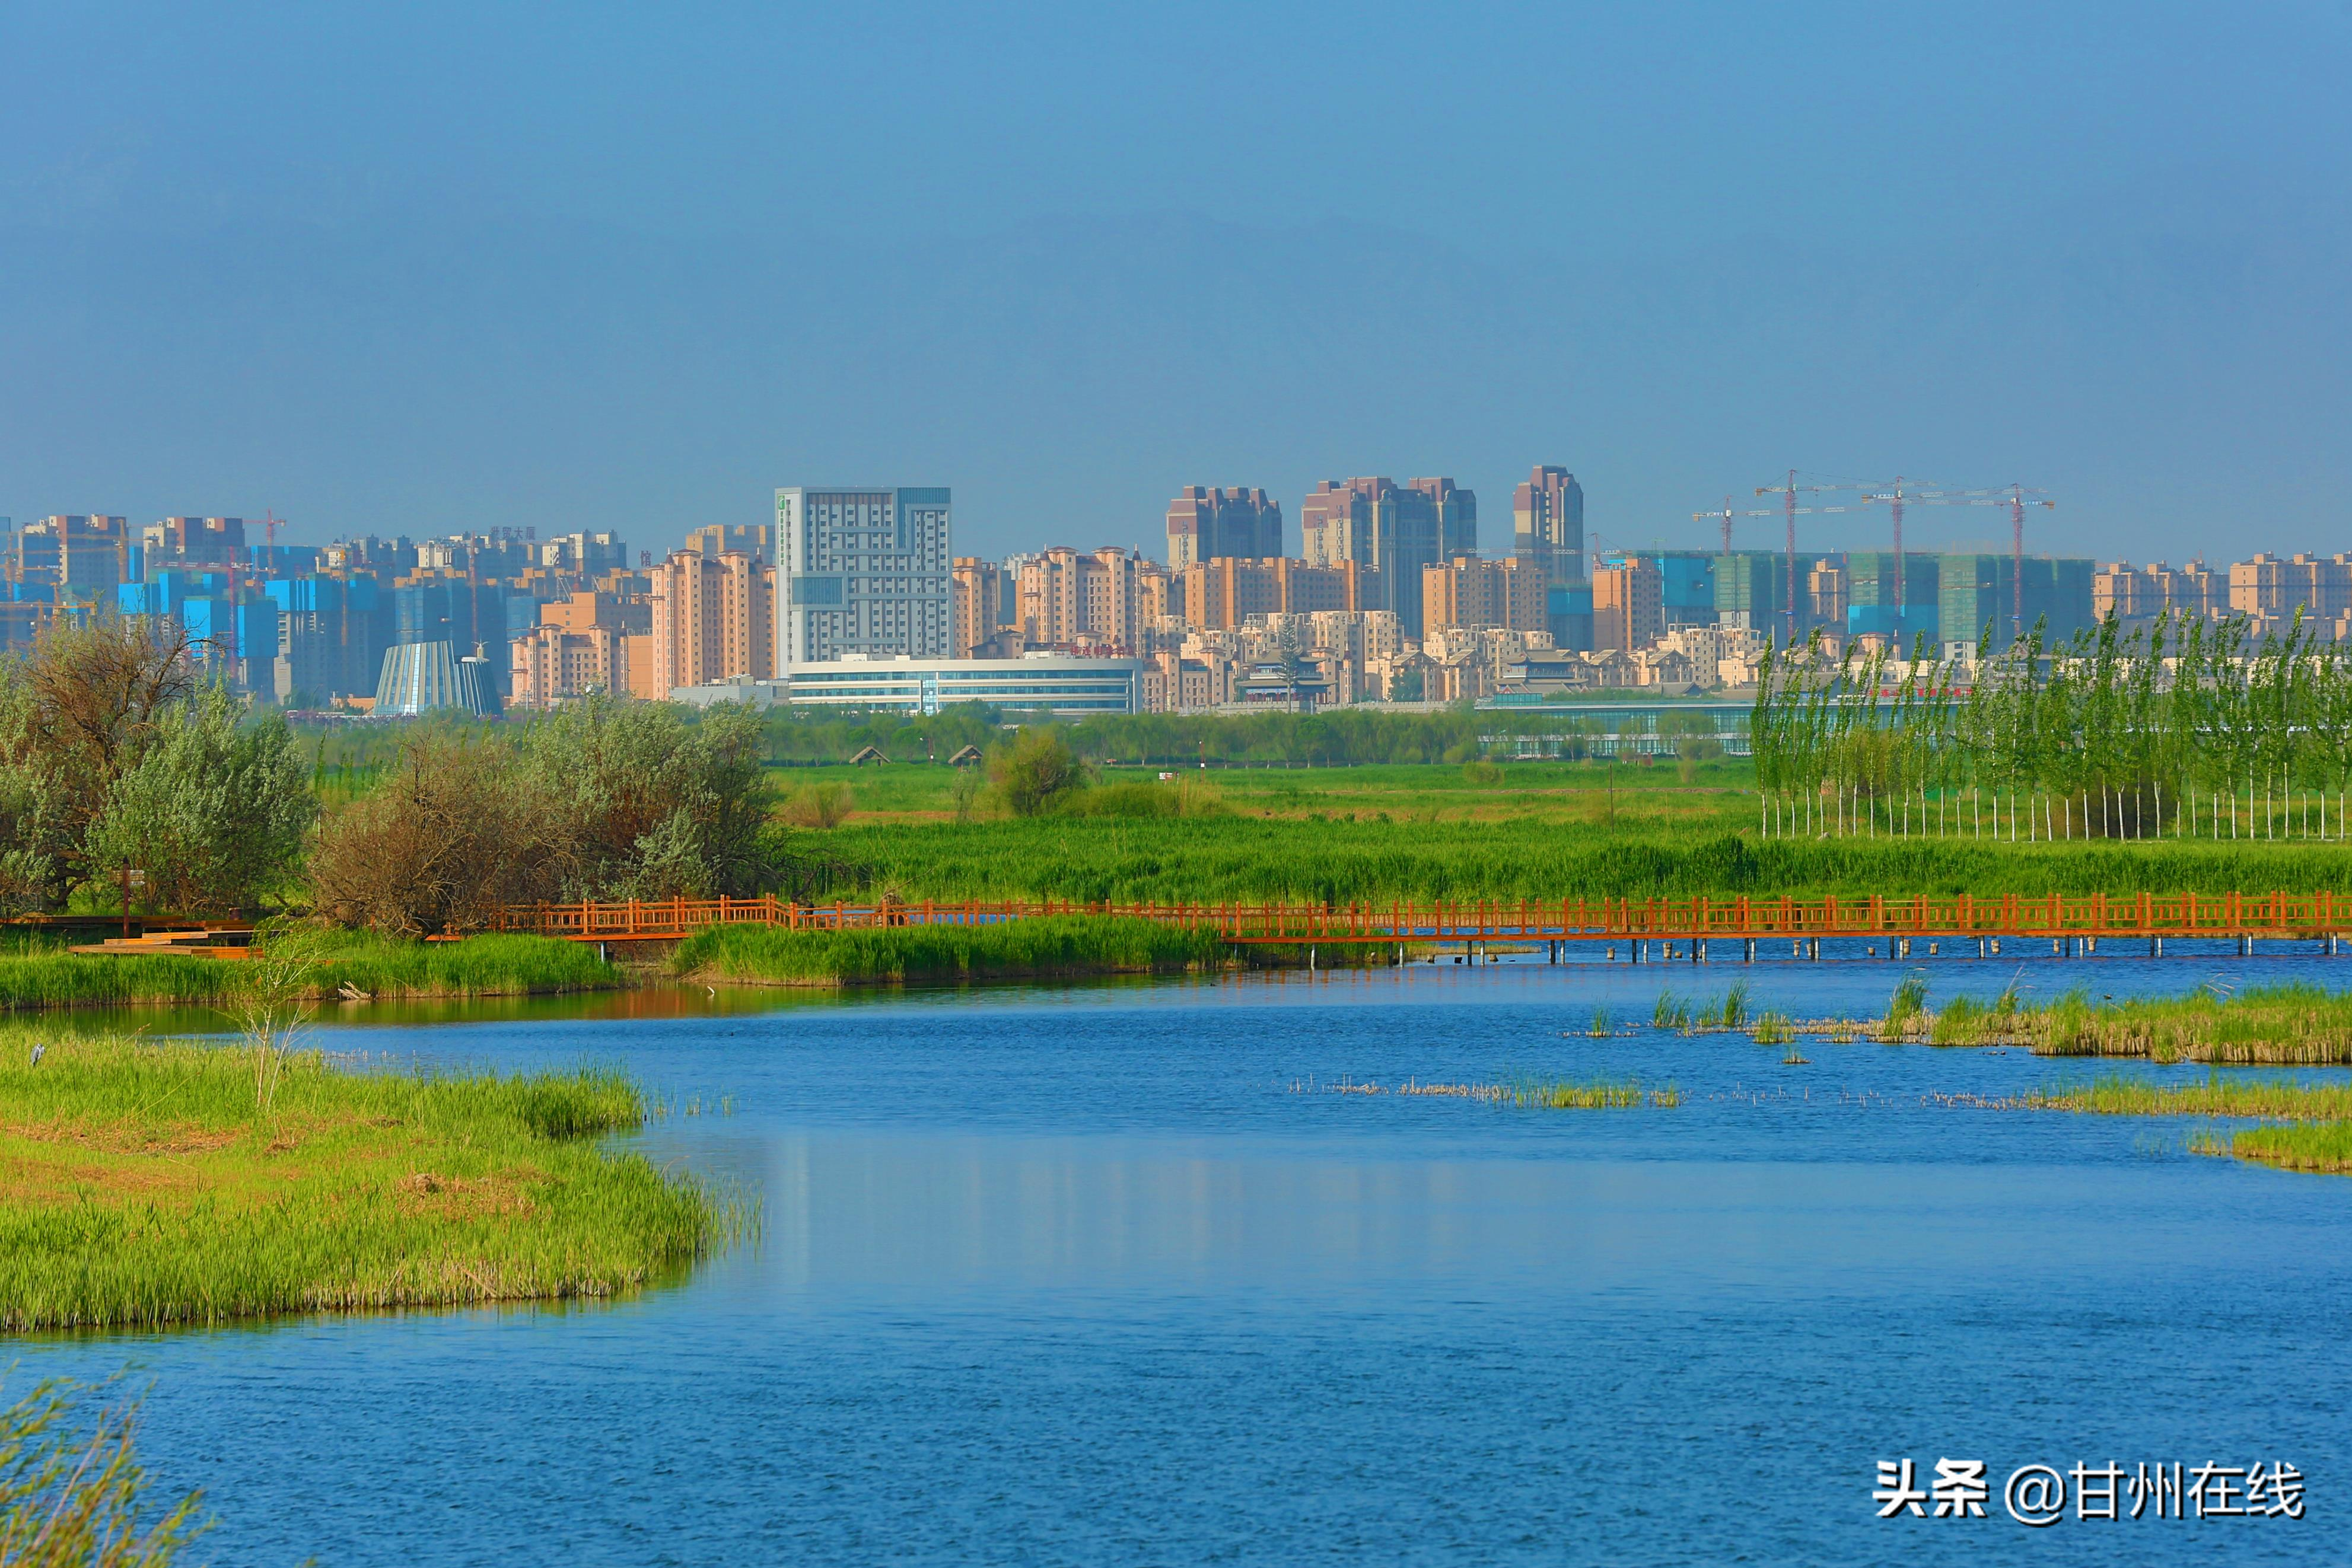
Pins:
x: 2016, y: 498
x: 1788, y: 509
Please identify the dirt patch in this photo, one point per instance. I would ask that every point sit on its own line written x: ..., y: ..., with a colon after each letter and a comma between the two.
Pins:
x: 127, y: 1137
x: 427, y: 1193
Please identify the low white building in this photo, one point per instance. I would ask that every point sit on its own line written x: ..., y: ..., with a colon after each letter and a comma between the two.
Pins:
x: 1067, y: 686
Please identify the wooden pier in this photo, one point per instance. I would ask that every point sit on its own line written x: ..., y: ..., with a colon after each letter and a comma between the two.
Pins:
x: 1900, y: 922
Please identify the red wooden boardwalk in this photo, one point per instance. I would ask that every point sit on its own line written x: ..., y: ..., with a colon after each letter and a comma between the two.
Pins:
x: 2154, y: 915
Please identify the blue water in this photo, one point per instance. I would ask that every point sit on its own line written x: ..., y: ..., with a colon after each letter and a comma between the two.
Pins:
x: 1106, y: 1276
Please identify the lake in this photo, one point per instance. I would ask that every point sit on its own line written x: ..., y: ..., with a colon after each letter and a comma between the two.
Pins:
x: 1106, y: 1275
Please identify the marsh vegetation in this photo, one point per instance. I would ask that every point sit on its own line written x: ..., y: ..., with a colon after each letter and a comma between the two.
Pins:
x: 174, y: 1182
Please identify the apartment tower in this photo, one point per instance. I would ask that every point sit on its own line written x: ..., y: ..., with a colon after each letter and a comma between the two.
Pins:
x: 1547, y: 516
x: 1206, y: 523
x: 863, y: 572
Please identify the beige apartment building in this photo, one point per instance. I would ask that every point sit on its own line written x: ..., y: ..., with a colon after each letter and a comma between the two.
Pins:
x: 2267, y: 586
x: 976, y: 604
x: 1070, y: 600
x: 1628, y: 607
x: 1467, y: 591
x: 714, y: 619
x: 1224, y: 593
x: 2141, y: 593
x: 582, y: 644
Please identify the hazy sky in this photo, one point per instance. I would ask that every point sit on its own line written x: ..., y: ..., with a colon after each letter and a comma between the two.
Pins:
x: 422, y: 267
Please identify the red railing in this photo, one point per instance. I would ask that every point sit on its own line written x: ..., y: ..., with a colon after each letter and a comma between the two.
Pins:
x: 1574, y: 920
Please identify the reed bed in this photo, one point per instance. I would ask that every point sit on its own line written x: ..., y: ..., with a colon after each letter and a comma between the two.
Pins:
x: 2277, y: 1099
x: 139, y: 1186
x: 1057, y: 945
x: 378, y: 967
x: 2325, y: 1146
x: 2316, y: 1134
x: 2294, y: 1024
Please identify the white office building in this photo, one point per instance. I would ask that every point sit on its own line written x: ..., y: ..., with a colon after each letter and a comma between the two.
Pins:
x: 1068, y: 686
x: 862, y: 571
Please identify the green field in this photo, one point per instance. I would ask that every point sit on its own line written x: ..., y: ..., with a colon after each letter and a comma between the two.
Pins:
x: 1535, y: 831
x: 145, y: 1184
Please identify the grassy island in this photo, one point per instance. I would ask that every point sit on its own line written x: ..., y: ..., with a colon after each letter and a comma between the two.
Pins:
x: 1052, y: 946
x: 2295, y: 1024
x: 141, y: 1185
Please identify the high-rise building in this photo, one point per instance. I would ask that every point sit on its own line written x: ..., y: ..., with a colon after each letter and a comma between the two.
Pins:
x: 2267, y: 586
x: 1469, y: 593
x: 713, y: 619
x: 862, y: 571
x: 195, y: 541
x: 580, y: 646
x: 1068, y: 599
x: 2142, y: 593
x: 1204, y: 523
x: 976, y: 589
x: 1751, y: 590
x: 754, y: 539
x: 1548, y: 516
x: 1828, y: 591
x: 90, y: 553
x: 1976, y: 592
x: 1876, y: 606
x: 1628, y: 605
x: 1224, y: 593
x: 1398, y: 529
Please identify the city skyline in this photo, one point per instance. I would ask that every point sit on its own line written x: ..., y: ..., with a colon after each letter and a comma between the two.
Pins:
x: 2099, y: 260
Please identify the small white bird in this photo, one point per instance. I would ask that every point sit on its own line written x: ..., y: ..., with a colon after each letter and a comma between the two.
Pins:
x: 39, y: 1051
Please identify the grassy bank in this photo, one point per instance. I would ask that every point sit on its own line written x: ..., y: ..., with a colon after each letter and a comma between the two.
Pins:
x: 478, y: 967
x: 143, y: 1188
x: 1211, y: 860
x: 1056, y: 946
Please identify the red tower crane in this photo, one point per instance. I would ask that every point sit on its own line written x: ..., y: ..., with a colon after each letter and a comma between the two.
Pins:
x: 2016, y: 498
x: 1788, y: 510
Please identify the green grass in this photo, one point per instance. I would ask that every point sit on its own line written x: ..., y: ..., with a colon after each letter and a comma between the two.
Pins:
x: 139, y: 1186
x: 2325, y: 1146
x: 2316, y: 1137
x: 2280, y: 1099
x: 2292, y: 1024
x: 1059, y: 945
x: 1602, y: 1094
x: 479, y: 965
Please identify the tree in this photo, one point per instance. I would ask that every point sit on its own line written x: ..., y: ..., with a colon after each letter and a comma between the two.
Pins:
x: 455, y: 834
x: 655, y: 807
x: 214, y: 812
x: 1036, y: 769
x: 77, y: 715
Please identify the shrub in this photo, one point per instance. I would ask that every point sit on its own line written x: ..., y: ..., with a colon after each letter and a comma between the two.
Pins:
x: 1035, y: 770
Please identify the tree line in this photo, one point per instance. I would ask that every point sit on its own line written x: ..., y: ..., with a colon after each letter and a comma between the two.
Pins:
x: 1342, y: 738
x: 128, y: 780
x: 2180, y: 726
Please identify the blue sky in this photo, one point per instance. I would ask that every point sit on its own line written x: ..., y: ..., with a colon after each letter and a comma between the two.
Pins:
x: 417, y: 269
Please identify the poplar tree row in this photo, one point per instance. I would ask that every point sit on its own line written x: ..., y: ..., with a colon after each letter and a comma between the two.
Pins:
x: 2183, y: 726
